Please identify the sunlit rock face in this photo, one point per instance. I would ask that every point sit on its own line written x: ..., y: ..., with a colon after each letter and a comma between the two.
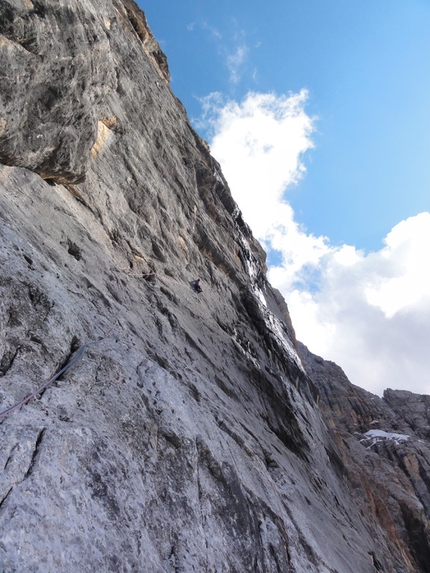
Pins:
x: 189, y: 436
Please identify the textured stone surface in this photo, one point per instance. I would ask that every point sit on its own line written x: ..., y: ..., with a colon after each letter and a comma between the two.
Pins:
x: 190, y: 438
x: 384, y: 445
x: 58, y: 70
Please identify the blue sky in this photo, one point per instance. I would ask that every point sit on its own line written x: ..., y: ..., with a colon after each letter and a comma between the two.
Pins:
x: 358, y: 168
x: 366, y: 66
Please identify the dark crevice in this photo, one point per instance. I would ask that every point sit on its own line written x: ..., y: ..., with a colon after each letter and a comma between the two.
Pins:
x: 35, y: 453
x: 269, y: 460
x: 230, y: 432
x: 5, y: 497
x: 7, y: 361
x: 74, y: 250
x: 375, y: 562
x: 39, y: 9
x: 336, y: 461
x: 223, y: 386
x: 417, y: 530
x: 28, y: 259
x: 74, y: 346
x: 77, y: 195
x: 37, y: 298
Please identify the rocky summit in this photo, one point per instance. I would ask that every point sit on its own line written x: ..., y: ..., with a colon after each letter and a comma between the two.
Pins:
x: 168, y: 431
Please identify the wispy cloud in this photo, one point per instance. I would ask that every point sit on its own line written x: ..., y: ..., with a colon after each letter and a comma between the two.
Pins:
x: 368, y: 312
x: 236, y: 56
x: 235, y: 63
x: 204, y: 25
x: 232, y: 49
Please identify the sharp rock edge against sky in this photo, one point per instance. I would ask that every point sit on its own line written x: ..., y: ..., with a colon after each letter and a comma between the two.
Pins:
x: 366, y: 309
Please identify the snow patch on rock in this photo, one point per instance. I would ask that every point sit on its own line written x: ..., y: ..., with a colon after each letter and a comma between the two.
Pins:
x: 380, y: 435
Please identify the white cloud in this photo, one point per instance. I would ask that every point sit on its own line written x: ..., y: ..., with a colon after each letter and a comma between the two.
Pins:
x: 406, y: 254
x: 235, y: 62
x: 370, y: 313
x: 259, y: 143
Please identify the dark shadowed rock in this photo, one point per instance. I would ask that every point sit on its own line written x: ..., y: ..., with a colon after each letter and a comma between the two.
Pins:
x: 188, y: 436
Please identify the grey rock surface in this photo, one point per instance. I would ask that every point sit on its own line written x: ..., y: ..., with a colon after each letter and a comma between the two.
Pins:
x: 189, y: 437
x: 384, y: 446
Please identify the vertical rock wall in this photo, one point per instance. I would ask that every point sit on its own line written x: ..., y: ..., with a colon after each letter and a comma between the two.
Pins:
x: 384, y: 445
x: 188, y: 436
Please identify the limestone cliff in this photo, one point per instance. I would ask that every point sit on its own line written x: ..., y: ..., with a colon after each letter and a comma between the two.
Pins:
x: 189, y: 434
x: 384, y: 445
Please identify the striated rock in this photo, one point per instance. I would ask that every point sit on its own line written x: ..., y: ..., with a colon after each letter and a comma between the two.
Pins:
x: 412, y: 408
x: 58, y: 70
x: 385, y: 449
x: 188, y: 436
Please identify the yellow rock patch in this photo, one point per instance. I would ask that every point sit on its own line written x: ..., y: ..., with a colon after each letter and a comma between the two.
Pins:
x: 182, y: 244
x: 103, y: 135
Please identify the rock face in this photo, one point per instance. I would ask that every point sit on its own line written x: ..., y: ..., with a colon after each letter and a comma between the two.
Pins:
x: 384, y: 446
x: 189, y: 436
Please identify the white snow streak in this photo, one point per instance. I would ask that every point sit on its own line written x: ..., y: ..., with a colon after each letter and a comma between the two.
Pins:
x: 380, y: 435
x: 273, y: 324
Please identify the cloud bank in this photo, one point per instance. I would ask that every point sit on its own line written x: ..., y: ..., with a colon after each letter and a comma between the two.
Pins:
x: 370, y: 313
